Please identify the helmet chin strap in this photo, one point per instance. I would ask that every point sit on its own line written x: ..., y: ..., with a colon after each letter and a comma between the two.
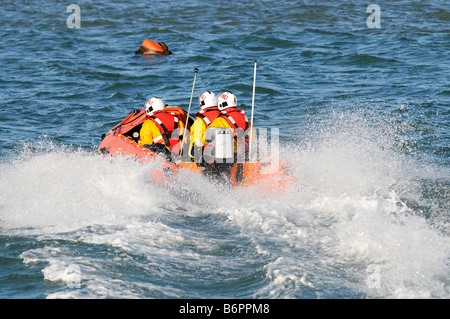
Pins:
x: 224, y: 105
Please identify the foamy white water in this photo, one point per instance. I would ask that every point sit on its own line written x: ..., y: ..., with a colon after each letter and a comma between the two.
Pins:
x: 356, y: 224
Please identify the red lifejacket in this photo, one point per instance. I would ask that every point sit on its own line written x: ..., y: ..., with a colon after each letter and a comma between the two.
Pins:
x: 236, y: 118
x: 208, y: 115
x: 167, y: 123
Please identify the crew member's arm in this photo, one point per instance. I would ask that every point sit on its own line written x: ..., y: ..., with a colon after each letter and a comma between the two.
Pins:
x: 197, y: 139
x: 147, y: 133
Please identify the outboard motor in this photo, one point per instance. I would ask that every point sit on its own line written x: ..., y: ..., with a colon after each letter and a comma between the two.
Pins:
x: 219, y: 146
x: 218, y: 154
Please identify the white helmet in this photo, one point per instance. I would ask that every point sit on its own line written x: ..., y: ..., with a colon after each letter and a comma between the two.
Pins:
x: 226, y: 100
x: 207, y: 99
x: 153, y: 105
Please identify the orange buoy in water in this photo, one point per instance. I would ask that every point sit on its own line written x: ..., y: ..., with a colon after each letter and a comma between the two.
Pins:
x: 152, y: 47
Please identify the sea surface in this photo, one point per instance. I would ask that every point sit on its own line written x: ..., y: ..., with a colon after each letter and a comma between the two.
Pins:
x: 361, y: 101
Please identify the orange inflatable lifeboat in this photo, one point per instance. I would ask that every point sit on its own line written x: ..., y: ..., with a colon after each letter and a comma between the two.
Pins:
x: 123, y: 140
x: 153, y: 47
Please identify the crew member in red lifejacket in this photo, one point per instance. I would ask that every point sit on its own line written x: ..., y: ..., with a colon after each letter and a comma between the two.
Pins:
x: 232, y: 117
x: 207, y: 114
x: 160, y: 127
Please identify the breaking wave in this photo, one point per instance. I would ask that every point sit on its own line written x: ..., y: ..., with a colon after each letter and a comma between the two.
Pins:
x: 366, y: 218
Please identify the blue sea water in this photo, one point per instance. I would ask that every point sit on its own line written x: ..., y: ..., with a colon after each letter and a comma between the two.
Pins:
x: 363, y: 115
